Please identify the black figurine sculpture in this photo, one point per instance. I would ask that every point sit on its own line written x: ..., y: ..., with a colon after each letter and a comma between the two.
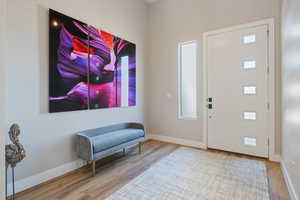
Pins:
x: 14, y: 153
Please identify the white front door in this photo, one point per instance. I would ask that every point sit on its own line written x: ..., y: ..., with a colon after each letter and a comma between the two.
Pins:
x: 237, y: 64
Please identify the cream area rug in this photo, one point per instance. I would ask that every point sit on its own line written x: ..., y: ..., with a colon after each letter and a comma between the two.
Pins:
x: 190, y: 174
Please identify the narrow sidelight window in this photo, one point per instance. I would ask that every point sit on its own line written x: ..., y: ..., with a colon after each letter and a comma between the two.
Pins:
x: 187, y: 69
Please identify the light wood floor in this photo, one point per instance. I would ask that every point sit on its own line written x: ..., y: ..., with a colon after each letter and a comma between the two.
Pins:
x: 117, y: 170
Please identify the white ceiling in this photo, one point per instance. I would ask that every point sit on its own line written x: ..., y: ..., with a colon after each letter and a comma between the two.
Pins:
x: 150, y: 1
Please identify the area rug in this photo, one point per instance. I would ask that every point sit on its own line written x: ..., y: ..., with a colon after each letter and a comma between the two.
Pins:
x: 190, y: 174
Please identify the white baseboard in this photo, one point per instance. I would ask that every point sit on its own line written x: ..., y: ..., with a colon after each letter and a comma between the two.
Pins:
x: 289, y: 182
x: 37, y: 179
x: 191, y: 143
x: 275, y: 158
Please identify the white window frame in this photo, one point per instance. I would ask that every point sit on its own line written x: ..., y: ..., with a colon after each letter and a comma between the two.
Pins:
x: 179, y: 80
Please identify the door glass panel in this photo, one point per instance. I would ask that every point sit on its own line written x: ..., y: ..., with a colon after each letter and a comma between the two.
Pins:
x: 250, y: 115
x: 248, y: 39
x: 250, y: 141
x: 249, y: 90
x: 249, y: 64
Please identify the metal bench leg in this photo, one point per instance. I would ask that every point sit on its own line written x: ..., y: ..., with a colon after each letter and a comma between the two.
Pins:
x: 94, y: 167
x: 140, y: 148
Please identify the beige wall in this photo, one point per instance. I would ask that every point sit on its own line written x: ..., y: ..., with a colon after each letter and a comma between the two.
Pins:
x: 291, y: 90
x: 174, y: 21
x: 2, y: 97
x: 49, y: 138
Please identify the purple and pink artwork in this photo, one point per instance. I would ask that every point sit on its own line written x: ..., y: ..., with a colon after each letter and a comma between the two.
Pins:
x: 89, y: 68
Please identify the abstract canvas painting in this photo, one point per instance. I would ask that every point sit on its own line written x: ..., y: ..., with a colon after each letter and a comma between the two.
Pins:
x: 89, y: 67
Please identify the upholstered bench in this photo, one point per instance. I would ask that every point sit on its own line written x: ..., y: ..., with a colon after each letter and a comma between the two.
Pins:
x: 94, y: 144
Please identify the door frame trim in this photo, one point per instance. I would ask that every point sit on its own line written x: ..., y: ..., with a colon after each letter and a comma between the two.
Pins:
x: 271, y: 79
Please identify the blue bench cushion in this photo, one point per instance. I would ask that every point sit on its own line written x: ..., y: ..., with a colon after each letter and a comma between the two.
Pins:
x: 111, y: 139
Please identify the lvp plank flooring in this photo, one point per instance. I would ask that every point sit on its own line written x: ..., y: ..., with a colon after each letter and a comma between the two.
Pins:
x: 117, y: 170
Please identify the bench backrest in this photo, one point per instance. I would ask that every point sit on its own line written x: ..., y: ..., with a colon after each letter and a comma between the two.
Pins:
x: 111, y: 128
